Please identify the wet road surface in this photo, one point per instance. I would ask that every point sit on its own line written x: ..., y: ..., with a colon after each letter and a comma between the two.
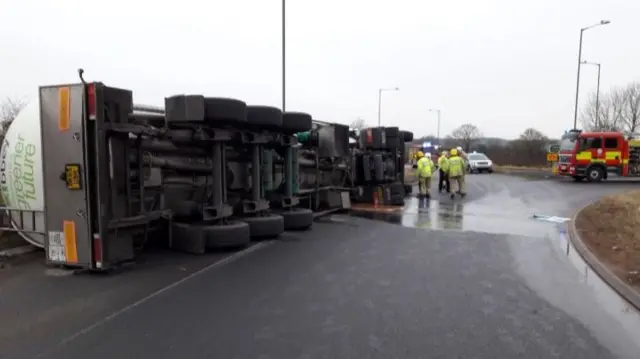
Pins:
x: 476, y: 278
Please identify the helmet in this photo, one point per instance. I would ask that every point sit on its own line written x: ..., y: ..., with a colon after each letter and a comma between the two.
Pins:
x: 459, y: 148
x: 454, y: 152
x: 428, y: 155
x: 445, y: 152
x: 419, y: 154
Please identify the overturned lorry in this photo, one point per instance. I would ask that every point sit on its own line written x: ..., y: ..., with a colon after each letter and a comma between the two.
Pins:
x: 199, y: 173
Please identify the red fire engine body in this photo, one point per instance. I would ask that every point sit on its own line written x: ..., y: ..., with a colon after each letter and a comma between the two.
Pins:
x: 595, y: 155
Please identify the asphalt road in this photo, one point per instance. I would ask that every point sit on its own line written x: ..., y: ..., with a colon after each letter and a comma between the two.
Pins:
x: 476, y: 278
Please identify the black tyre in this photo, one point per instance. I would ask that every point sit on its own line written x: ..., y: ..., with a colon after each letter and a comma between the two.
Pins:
x: 407, y: 136
x: 392, y: 132
x: 595, y: 174
x: 224, y: 110
x: 264, y: 116
x: 232, y: 234
x: 184, y: 109
x: 293, y: 122
x: 196, y: 237
x: 265, y: 227
x: 297, y: 218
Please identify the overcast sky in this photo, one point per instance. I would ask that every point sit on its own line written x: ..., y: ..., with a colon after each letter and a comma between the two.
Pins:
x: 502, y: 65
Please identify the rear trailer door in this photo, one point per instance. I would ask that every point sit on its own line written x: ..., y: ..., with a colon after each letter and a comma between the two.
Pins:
x: 68, y: 239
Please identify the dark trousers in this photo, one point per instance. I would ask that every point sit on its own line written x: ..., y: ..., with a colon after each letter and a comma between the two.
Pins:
x: 443, y: 181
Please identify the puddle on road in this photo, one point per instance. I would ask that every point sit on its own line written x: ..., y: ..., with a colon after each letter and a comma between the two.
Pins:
x: 504, y: 217
x: 510, y: 216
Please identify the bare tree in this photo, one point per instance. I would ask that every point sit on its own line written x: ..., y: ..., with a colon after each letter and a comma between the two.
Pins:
x: 607, y: 115
x: 531, y: 143
x: 358, y: 124
x: 465, y: 135
x: 630, y: 106
x: 531, y: 134
x: 9, y: 109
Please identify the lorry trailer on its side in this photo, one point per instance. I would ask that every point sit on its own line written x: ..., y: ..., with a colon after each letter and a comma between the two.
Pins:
x: 94, y: 179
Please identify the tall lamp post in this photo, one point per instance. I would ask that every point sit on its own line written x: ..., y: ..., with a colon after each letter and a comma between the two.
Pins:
x: 284, y: 40
x: 438, y: 132
x: 380, y: 101
x: 597, y: 90
x: 575, y: 111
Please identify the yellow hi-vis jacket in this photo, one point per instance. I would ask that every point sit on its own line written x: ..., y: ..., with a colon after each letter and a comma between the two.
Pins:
x: 425, y: 167
x: 443, y: 163
x: 456, y: 166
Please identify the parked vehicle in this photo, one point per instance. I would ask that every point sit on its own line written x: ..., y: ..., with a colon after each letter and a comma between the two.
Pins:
x: 478, y: 163
x: 596, y: 155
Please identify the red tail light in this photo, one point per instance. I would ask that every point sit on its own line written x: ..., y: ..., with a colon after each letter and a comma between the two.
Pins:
x: 91, y: 101
x: 97, y: 250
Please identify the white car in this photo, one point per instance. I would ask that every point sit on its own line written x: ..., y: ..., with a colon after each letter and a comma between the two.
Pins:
x: 479, y: 162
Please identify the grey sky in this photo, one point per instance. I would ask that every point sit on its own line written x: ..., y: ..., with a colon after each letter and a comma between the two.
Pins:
x: 502, y: 65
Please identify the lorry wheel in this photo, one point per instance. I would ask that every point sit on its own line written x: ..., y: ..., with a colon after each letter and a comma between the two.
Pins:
x: 264, y: 116
x: 232, y: 234
x: 265, y: 227
x: 224, y: 110
x: 293, y: 122
x: 187, y: 237
x: 407, y: 136
x: 595, y: 174
x: 297, y: 218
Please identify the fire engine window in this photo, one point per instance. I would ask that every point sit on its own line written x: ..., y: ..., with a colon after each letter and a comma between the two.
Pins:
x: 595, y: 143
x: 610, y: 143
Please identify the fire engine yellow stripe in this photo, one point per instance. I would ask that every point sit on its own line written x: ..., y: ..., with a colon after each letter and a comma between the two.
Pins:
x: 583, y: 156
x: 596, y: 160
x: 612, y: 155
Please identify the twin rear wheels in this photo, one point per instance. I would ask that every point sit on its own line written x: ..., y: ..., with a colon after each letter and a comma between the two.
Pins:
x: 198, y: 236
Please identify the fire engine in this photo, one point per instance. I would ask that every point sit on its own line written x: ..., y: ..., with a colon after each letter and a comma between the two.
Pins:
x: 595, y: 155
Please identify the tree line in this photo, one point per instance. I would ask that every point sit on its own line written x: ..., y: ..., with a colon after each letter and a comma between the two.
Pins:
x: 529, y: 149
x: 617, y: 109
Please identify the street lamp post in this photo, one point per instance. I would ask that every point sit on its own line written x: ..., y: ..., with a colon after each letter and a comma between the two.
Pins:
x: 597, y: 90
x: 438, y: 131
x: 575, y: 111
x: 380, y: 101
x: 284, y: 39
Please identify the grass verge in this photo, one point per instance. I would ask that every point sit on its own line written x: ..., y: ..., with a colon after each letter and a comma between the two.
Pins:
x: 611, y: 230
